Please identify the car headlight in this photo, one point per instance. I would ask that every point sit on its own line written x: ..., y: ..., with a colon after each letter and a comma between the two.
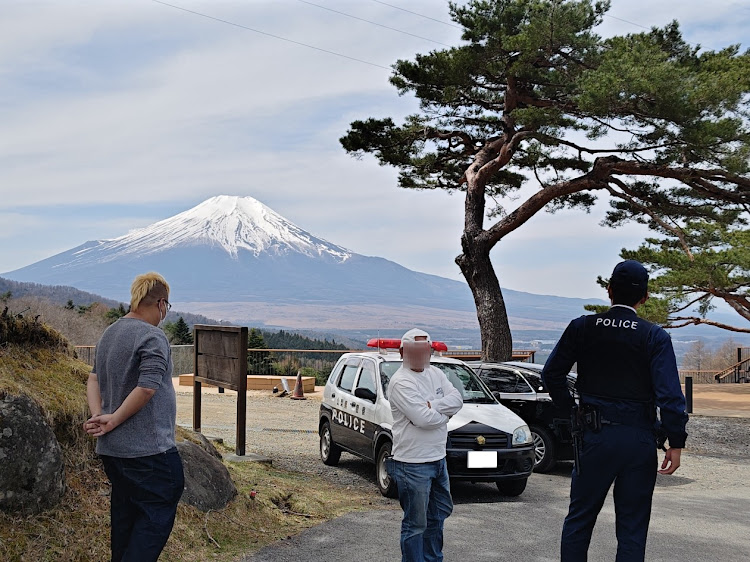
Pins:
x: 522, y: 436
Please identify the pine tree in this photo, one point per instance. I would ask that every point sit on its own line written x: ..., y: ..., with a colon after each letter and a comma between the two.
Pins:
x: 181, y: 335
x: 693, y: 265
x: 535, y: 107
x: 258, y: 362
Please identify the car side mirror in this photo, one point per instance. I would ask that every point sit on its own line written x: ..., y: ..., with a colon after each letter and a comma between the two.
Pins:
x: 366, y: 394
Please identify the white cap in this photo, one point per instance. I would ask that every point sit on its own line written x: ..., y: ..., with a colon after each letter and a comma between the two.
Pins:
x: 413, y: 334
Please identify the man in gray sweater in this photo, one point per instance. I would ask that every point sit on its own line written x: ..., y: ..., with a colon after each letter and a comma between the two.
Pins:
x: 133, y: 409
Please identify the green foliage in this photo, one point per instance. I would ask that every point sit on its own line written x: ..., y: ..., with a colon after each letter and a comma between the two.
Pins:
x: 5, y: 297
x: 694, y: 265
x: 534, y: 100
x: 179, y: 333
x: 258, y: 362
x: 288, y: 340
x: 537, y: 69
x: 81, y: 308
x: 115, y: 313
x: 287, y: 364
x: 182, y: 333
x: 255, y: 339
x: 321, y: 376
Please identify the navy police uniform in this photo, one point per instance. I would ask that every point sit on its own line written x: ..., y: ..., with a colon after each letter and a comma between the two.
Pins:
x: 626, y: 369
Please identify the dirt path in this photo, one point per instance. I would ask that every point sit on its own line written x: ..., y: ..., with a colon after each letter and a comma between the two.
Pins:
x: 725, y: 400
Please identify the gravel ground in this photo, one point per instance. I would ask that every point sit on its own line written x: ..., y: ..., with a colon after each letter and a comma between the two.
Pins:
x: 717, y: 455
x: 284, y: 430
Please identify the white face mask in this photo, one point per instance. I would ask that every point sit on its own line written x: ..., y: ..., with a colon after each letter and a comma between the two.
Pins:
x: 161, y: 319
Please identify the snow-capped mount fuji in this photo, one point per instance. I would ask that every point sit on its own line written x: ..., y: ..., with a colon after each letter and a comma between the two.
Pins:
x: 230, y: 223
x: 237, y: 250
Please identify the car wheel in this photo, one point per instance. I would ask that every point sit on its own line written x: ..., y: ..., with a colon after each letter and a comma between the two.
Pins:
x: 544, y: 449
x: 386, y: 484
x: 511, y: 487
x: 330, y: 453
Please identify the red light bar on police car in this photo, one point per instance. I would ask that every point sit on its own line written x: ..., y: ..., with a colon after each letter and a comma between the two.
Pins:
x: 396, y: 344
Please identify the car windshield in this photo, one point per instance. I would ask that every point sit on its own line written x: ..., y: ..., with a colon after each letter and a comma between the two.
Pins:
x: 466, y: 382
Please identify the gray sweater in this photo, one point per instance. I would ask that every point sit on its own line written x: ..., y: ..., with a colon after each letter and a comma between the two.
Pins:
x: 133, y: 353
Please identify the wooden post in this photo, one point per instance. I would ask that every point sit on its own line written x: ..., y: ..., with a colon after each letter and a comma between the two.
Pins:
x: 689, y: 394
x: 241, y: 393
x: 196, y: 386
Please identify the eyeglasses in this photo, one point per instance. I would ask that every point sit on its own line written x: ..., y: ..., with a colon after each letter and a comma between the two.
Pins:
x: 169, y: 306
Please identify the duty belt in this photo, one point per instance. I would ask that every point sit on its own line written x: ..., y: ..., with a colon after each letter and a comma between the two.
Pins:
x: 600, y: 418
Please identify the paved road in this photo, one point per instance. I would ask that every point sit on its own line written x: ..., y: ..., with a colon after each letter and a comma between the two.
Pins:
x: 691, y: 521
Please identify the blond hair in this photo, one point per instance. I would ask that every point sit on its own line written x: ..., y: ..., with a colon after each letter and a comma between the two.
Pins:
x: 148, y: 289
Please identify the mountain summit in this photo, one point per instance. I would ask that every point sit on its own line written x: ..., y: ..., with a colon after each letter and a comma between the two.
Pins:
x: 227, y: 222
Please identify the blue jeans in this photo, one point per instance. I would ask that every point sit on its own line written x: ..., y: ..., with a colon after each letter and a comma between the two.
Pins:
x: 145, y: 494
x: 425, y: 496
x: 625, y: 456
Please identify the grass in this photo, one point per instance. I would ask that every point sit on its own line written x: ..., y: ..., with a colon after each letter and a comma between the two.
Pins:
x: 78, y: 528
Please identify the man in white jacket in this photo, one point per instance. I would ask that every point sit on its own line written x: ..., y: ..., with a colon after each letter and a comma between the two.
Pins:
x: 422, y: 401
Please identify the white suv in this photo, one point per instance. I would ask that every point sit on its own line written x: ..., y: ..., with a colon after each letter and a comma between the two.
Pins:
x: 486, y: 441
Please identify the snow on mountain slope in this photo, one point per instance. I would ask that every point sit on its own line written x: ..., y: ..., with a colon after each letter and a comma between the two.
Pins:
x: 228, y: 222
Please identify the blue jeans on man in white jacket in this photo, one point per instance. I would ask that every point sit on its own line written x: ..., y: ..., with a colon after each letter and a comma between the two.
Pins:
x: 424, y: 495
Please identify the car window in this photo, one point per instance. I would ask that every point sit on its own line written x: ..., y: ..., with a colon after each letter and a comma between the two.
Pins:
x: 529, y: 382
x: 347, y: 377
x: 466, y: 382
x: 367, y: 377
x: 387, y: 369
x: 334, y: 376
x: 500, y: 380
x: 460, y: 376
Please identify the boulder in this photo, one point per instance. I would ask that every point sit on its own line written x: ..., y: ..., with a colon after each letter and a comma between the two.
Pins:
x: 32, y: 476
x: 207, y: 446
x: 207, y: 481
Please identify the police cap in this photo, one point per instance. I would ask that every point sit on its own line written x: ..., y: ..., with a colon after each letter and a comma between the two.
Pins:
x: 630, y: 275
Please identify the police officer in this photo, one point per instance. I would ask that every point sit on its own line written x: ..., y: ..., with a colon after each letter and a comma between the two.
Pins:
x: 626, y: 369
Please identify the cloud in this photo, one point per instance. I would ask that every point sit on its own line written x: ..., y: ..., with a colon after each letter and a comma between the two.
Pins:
x: 132, y: 111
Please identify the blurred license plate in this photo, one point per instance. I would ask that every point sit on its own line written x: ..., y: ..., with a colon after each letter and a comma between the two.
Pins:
x: 481, y: 459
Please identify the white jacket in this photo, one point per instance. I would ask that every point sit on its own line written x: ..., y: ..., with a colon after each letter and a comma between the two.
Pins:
x: 419, y: 431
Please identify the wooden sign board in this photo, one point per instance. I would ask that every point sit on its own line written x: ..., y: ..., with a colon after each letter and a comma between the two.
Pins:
x: 221, y: 360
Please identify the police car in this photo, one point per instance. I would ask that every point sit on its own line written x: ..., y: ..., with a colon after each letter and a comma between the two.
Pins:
x: 519, y: 386
x: 486, y: 441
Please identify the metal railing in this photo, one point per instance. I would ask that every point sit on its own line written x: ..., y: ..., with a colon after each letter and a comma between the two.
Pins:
x: 739, y: 372
x: 525, y: 355
x: 286, y: 362
x: 699, y: 377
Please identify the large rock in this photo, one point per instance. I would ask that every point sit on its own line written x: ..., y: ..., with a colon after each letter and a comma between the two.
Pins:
x: 207, y: 481
x: 31, y: 466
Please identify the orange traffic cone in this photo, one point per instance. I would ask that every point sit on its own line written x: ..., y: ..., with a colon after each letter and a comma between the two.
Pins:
x: 299, y: 393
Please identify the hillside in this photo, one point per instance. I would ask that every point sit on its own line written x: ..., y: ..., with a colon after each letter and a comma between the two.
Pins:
x: 35, y: 361
x: 61, y: 294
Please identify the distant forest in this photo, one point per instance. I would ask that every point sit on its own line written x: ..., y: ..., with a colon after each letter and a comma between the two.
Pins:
x: 288, y: 340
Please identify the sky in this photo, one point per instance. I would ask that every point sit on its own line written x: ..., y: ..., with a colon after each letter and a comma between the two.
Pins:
x: 119, y: 113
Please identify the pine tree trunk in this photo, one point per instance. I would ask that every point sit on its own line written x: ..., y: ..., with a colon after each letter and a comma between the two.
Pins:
x: 475, y: 264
